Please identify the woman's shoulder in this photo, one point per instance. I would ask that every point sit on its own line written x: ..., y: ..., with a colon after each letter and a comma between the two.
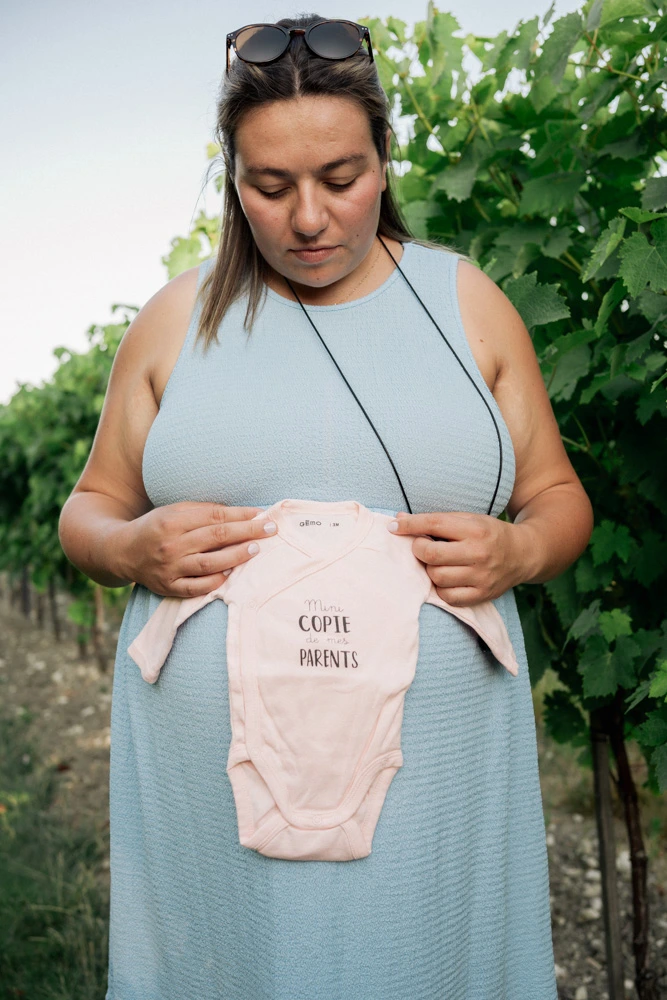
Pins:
x: 477, y: 302
x: 436, y: 262
x: 163, y: 324
x: 471, y: 281
x: 439, y: 253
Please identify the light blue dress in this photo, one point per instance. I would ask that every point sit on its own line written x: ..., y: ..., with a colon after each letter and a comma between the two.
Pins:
x: 453, y: 901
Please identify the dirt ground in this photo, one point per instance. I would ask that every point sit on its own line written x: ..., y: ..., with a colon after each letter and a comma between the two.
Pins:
x: 69, y: 702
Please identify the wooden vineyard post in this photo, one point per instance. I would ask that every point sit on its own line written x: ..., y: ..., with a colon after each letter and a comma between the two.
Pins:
x: 646, y: 980
x: 607, y: 853
x: 25, y: 592
x: 53, y: 605
x: 39, y: 608
x: 99, y: 629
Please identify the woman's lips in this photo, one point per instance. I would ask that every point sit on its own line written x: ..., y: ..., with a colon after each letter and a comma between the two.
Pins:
x: 314, y: 256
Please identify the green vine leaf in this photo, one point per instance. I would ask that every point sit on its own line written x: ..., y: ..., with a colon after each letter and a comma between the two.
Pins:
x: 551, y: 194
x: 614, y: 624
x: 658, y: 687
x: 645, y: 263
x: 586, y: 621
x: 639, y: 216
x: 659, y: 763
x: 557, y: 47
x: 609, y: 540
x: 563, y: 719
x: 537, y: 304
x: 653, y: 732
x: 604, y: 247
x: 654, y: 195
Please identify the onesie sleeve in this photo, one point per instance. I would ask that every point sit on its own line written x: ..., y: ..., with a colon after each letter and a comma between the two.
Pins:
x: 486, y: 620
x: 151, y: 646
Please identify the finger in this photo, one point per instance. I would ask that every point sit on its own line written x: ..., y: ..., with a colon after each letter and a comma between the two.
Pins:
x: 461, y: 597
x: 455, y: 525
x: 216, y: 561
x: 194, y: 514
x: 214, y: 537
x: 453, y: 576
x: 235, y: 513
x: 436, y: 552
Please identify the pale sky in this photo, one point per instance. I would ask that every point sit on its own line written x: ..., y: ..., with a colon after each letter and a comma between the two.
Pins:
x: 105, y: 114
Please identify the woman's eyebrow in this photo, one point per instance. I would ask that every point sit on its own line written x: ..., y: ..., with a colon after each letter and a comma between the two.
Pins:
x: 324, y: 169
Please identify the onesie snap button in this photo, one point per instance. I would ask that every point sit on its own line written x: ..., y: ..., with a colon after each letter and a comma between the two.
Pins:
x: 251, y: 604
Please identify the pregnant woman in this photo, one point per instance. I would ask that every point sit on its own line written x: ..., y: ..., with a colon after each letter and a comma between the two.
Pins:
x: 324, y: 354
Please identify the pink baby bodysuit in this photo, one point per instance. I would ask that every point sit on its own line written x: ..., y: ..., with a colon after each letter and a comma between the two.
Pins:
x: 322, y: 644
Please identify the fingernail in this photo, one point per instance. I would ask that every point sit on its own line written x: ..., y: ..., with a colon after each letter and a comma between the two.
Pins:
x: 269, y: 527
x: 252, y: 548
x: 393, y: 526
x: 226, y: 572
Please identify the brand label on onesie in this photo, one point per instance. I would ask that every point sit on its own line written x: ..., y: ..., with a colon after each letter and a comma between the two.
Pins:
x: 336, y: 525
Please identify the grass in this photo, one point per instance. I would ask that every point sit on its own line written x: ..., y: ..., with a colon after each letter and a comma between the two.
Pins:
x: 53, y: 904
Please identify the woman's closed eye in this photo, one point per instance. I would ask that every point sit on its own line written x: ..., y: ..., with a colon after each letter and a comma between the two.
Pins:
x: 330, y: 184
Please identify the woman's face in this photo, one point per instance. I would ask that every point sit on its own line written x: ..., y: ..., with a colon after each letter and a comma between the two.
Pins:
x: 309, y: 180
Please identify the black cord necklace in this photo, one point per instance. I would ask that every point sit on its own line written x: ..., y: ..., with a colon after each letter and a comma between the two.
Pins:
x: 495, y: 423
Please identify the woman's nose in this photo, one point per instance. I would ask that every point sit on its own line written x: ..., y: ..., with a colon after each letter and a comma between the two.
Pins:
x: 310, y: 215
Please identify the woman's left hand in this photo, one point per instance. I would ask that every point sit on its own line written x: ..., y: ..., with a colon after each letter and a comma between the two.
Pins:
x: 471, y: 557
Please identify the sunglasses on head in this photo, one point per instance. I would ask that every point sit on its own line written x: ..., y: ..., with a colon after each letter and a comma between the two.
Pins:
x: 329, y: 39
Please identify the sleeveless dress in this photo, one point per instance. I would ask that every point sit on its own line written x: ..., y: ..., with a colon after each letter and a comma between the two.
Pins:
x: 453, y: 902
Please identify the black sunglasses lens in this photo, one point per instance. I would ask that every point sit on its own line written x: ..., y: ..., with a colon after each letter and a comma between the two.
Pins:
x: 260, y: 43
x: 334, y: 40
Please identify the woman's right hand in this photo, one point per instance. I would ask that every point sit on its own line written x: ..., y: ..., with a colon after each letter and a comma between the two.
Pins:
x: 182, y: 549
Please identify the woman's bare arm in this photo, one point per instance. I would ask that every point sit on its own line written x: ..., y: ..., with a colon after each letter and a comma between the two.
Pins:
x: 108, y: 526
x: 110, y: 492
x: 548, y: 501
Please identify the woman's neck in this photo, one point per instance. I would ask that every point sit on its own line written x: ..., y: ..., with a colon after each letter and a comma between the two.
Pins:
x: 359, y: 283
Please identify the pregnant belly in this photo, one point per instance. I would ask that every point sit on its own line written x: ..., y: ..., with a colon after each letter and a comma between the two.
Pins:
x: 459, y: 706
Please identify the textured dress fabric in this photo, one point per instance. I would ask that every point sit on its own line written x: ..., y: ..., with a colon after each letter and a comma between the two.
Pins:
x: 453, y: 901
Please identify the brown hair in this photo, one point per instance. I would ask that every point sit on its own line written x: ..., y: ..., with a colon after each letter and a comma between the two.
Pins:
x: 239, y: 267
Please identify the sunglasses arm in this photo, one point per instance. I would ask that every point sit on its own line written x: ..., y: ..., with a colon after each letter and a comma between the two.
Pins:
x: 367, y: 39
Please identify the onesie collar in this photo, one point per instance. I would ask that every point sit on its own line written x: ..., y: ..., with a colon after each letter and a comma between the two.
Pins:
x: 321, y: 508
